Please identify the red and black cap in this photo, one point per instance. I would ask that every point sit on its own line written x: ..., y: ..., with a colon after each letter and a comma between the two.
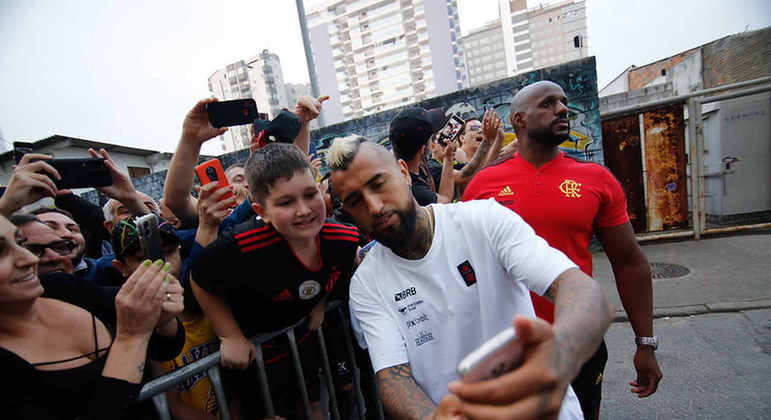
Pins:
x: 283, y: 129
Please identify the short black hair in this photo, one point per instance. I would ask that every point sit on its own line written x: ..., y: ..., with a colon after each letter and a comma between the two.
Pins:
x: 44, y: 210
x: 271, y: 163
x: 21, y: 219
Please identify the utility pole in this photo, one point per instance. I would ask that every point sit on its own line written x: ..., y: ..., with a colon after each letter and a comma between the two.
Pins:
x: 309, y: 56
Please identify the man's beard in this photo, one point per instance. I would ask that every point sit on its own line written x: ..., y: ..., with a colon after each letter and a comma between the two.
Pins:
x: 400, y: 235
x: 547, y: 137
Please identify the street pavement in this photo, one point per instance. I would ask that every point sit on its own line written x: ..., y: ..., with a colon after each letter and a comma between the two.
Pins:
x: 714, y: 326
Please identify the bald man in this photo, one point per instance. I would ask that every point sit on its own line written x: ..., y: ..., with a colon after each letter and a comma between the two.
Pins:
x: 567, y: 201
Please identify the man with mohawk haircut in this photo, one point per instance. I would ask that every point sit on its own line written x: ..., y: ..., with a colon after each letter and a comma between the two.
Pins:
x: 444, y: 279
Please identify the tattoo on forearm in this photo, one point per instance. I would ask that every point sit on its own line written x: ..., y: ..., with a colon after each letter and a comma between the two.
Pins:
x: 401, y: 395
x: 476, y: 160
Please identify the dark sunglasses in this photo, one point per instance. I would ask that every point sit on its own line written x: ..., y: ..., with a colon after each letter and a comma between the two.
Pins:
x: 61, y: 247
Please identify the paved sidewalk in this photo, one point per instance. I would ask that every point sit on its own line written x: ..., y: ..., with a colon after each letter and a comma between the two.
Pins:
x: 727, y: 274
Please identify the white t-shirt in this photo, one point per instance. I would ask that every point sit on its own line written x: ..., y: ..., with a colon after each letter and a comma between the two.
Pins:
x: 434, y: 311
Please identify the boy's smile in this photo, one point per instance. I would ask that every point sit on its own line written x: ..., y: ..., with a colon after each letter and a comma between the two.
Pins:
x: 294, y: 207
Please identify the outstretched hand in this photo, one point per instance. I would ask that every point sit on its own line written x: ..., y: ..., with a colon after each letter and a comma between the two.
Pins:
x: 534, y: 390
x: 211, y: 210
x: 196, y: 128
x: 30, y: 182
x: 308, y: 108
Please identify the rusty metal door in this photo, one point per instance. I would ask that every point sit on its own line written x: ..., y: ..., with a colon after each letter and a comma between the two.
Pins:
x: 623, y: 156
x: 646, y: 152
x: 666, y: 182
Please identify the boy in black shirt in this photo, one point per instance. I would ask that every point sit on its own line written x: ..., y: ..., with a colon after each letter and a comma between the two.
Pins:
x: 268, y: 273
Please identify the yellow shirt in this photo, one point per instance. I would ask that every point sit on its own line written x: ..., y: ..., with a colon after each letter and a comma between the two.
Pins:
x: 200, y: 341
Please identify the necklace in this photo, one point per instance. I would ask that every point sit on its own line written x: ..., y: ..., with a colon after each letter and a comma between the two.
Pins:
x: 430, y: 224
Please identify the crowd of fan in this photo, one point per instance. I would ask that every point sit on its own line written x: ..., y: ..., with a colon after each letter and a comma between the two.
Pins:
x: 86, y: 318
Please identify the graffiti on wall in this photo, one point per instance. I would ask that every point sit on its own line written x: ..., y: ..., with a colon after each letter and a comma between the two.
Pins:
x: 578, y: 79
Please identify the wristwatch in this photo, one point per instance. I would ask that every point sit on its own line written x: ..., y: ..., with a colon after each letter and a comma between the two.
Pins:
x: 652, y: 342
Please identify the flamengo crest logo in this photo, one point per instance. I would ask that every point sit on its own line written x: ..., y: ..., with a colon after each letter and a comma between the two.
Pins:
x: 467, y: 273
x: 570, y: 188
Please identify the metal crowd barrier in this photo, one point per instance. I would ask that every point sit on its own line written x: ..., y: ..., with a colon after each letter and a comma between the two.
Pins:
x: 156, y: 388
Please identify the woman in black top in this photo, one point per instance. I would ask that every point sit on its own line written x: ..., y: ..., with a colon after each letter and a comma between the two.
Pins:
x: 65, y: 360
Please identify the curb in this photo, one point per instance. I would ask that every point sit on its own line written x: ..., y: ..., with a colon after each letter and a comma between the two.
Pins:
x: 706, y: 308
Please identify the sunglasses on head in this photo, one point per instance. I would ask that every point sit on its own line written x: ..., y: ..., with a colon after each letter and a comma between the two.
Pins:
x: 475, y: 128
x: 61, y: 247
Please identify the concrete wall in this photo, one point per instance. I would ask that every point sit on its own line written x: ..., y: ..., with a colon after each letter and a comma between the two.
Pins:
x: 639, y: 77
x: 620, y: 100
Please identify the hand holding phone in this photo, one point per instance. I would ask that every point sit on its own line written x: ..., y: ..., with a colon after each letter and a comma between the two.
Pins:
x: 150, y: 237
x: 501, y: 354
x: 450, y: 130
x: 211, y: 171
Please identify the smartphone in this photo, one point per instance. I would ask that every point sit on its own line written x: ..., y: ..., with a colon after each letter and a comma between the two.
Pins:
x: 229, y: 113
x: 81, y: 173
x: 211, y: 171
x: 502, y: 353
x: 450, y: 130
x: 149, y: 236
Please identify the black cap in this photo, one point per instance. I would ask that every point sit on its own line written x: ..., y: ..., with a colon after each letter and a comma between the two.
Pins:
x: 284, y: 128
x: 415, y: 125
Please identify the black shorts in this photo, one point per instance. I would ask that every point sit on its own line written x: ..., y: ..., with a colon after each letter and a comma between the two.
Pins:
x: 588, y: 383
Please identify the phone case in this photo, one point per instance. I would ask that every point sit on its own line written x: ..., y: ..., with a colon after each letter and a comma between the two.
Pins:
x: 149, y: 237
x: 211, y: 171
x: 500, y: 354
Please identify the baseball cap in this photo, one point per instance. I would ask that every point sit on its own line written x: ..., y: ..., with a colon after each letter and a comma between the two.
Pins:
x: 125, y: 236
x: 284, y: 128
x: 415, y: 125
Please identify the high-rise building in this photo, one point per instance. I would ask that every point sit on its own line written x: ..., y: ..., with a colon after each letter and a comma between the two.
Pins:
x: 259, y: 77
x: 485, y: 54
x: 526, y: 39
x: 375, y: 55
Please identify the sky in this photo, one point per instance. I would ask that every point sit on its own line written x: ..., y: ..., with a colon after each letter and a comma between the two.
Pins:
x: 127, y: 72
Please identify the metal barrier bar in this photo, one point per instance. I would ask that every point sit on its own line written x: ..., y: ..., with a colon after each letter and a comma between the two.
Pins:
x: 747, y: 92
x: 162, y: 406
x: 219, y: 391
x: 695, y: 159
x: 354, y: 366
x: 156, y: 388
x: 683, y: 98
x: 328, y: 374
x: 262, y: 375
x: 298, y: 367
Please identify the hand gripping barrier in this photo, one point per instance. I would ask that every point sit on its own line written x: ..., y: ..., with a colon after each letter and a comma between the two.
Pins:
x: 156, y: 388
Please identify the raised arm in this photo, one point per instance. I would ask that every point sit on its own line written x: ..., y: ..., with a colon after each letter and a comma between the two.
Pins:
x: 446, y: 191
x: 307, y: 110
x: 492, y: 131
x: 401, y: 396
x: 196, y: 130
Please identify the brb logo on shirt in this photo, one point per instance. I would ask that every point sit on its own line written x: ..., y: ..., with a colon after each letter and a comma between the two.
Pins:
x: 404, y: 294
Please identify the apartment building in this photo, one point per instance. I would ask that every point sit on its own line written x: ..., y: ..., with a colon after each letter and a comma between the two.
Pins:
x: 258, y: 77
x: 373, y: 55
x: 526, y: 39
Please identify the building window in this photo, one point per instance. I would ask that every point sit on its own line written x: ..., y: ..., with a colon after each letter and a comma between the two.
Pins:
x: 138, y: 172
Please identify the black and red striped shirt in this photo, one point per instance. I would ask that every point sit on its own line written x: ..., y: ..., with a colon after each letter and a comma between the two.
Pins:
x: 266, y: 286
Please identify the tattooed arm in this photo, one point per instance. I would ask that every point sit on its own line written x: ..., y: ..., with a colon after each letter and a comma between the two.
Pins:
x: 401, y: 395
x: 554, y: 355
